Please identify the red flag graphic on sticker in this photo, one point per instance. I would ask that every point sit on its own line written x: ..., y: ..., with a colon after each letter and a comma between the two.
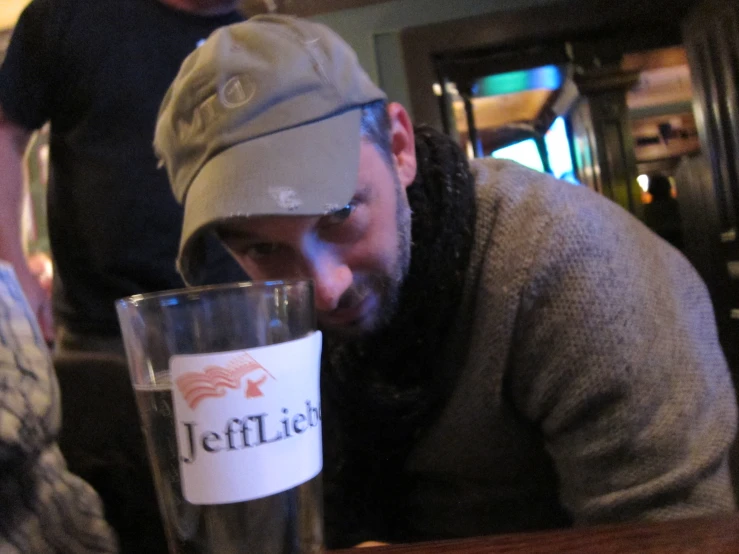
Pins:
x: 213, y: 381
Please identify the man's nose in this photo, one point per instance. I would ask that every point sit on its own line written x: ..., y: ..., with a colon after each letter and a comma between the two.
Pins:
x: 332, y: 278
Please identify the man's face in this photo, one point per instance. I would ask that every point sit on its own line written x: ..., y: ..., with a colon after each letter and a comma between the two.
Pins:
x: 357, y: 256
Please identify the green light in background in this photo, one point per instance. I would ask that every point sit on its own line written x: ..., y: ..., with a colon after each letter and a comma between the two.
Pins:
x: 547, y: 77
x: 505, y: 83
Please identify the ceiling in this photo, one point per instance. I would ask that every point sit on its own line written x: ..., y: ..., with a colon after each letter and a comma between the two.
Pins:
x: 662, y: 120
x: 659, y: 106
x: 664, y: 78
x: 496, y: 111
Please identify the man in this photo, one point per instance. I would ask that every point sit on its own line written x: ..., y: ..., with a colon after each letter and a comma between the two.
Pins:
x: 662, y: 214
x: 503, y: 351
x: 44, y: 507
x: 98, y: 69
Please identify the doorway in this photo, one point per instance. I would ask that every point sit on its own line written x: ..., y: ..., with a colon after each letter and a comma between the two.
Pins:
x: 609, y: 48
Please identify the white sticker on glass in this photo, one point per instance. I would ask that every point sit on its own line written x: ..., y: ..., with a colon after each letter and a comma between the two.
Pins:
x: 248, y: 421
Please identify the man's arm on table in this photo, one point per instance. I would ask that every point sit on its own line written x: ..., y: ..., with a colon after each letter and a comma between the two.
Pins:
x: 13, y: 141
x: 619, y: 365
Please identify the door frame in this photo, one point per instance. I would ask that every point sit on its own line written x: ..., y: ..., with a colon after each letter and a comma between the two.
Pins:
x: 591, y: 27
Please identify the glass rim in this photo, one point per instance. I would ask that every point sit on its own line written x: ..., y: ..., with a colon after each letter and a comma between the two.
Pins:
x: 136, y: 299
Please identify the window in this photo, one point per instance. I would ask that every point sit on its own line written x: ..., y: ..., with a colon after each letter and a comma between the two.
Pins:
x: 525, y: 152
x: 558, y: 150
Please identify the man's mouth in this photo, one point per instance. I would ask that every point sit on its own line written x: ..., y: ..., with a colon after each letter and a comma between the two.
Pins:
x: 350, y: 315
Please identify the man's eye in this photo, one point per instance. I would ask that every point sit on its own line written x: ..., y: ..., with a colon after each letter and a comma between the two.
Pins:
x: 261, y: 250
x: 339, y: 216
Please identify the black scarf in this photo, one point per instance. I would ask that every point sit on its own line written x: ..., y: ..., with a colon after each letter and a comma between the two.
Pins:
x: 381, y: 392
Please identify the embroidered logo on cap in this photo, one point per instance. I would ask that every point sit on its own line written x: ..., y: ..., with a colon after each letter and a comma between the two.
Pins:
x: 237, y: 91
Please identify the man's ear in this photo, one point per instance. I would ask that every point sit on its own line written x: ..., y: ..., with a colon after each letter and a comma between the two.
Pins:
x: 402, y: 143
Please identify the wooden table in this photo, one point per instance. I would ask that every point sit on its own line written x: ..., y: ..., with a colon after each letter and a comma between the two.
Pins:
x: 695, y: 536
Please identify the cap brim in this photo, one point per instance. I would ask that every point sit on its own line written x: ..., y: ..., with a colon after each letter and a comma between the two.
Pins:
x: 306, y: 170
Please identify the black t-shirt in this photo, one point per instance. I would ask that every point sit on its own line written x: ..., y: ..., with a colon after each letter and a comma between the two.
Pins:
x: 98, y: 70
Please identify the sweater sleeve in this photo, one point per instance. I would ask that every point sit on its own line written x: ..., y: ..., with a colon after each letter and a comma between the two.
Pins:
x: 617, y: 362
x: 44, y: 507
x: 29, y: 395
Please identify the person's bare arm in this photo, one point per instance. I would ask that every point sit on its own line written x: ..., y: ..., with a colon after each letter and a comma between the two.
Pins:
x: 13, y: 141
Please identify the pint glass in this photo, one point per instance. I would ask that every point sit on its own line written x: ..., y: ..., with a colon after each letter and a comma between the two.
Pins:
x: 226, y: 380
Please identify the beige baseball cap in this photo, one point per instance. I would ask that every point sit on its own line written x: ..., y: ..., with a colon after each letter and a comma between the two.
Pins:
x: 262, y: 119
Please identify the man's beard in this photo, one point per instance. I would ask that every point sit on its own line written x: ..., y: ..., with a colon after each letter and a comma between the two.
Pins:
x: 386, y: 287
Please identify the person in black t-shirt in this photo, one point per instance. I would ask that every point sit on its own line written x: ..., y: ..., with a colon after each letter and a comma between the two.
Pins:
x: 98, y: 70
x: 662, y: 214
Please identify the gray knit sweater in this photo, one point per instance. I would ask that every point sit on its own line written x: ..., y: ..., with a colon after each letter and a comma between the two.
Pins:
x: 591, y: 387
